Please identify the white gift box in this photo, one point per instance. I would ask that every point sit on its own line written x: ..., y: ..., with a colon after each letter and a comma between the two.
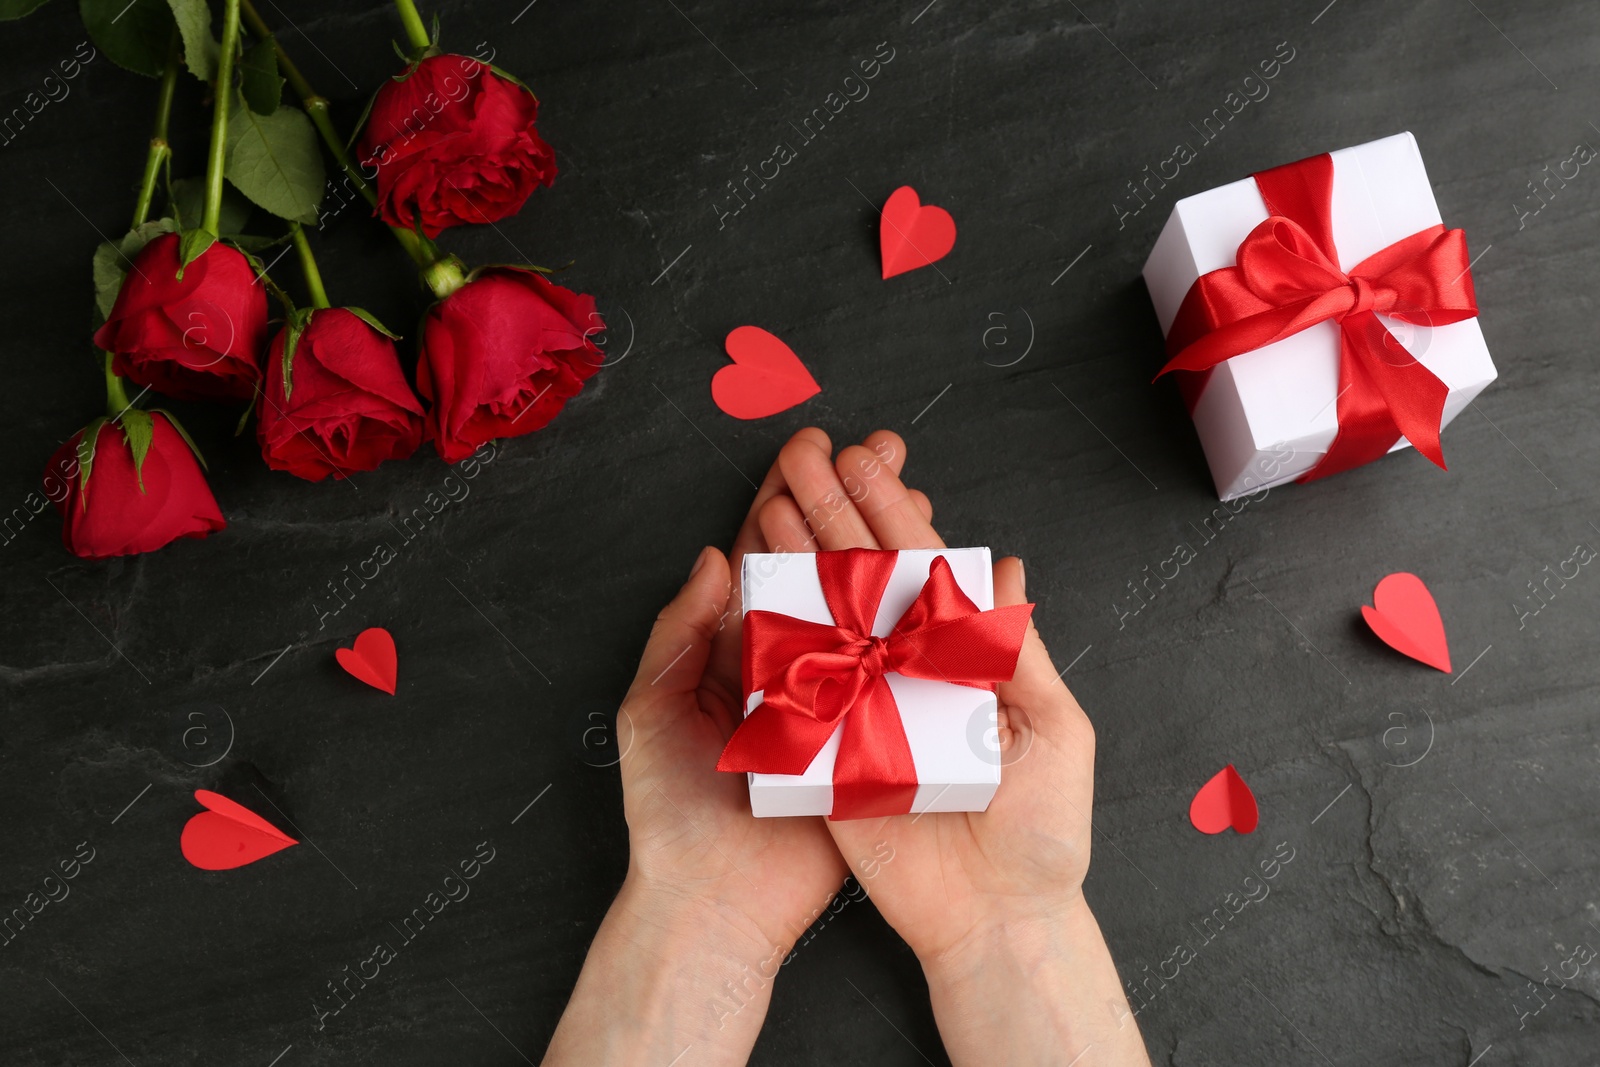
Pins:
x: 1268, y: 416
x: 951, y: 729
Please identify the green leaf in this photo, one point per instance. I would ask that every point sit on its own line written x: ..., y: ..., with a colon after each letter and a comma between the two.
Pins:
x: 189, y: 206
x: 112, y: 260
x: 298, y: 321
x: 274, y: 160
x: 132, y: 35
x: 172, y: 420
x: 200, y: 49
x: 372, y: 320
x: 255, y: 261
x: 478, y: 271
x: 86, y: 446
x: 139, y: 429
x: 244, y: 419
x: 246, y: 245
x: 108, y: 278
x: 262, y: 88
x: 513, y: 79
x: 15, y: 9
x: 248, y: 242
x: 192, y: 246
x: 355, y: 132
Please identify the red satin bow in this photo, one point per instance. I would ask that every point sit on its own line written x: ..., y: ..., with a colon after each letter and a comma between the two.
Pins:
x: 1287, y: 278
x: 816, y: 675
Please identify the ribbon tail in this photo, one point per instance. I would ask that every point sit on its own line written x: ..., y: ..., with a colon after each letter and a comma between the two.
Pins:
x: 1384, y: 394
x: 1366, y: 428
x: 1415, y: 397
x: 874, y: 774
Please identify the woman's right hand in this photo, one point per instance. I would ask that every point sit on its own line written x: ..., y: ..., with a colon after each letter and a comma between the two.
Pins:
x: 991, y: 901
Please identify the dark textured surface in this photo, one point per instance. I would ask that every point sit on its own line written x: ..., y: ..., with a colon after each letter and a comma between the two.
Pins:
x: 1443, y: 828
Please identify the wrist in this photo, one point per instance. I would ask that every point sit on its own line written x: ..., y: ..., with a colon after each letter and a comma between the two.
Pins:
x: 702, y: 925
x: 1026, y: 936
x: 667, y: 971
x: 1033, y: 987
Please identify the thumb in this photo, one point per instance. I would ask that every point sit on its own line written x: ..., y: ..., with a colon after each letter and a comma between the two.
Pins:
x: 680, y: 642
x: 1036, y: 686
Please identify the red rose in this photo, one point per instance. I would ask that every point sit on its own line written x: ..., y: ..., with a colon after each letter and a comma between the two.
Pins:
x: 195, y: 338
x: 453, y: 142
x: 349, y: 407
x: 126, y: 509
x: 501, y: 356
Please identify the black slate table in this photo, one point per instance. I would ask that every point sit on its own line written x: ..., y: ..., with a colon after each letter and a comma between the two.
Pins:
x: 1442, y: 828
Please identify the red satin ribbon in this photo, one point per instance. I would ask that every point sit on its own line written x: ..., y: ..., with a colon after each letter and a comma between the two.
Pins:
x: 1287, y: 278
x: 816, y: 675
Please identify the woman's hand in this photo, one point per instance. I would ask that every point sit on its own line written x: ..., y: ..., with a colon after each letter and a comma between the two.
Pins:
x: 991, y: 902
x: 691, y: 837
x: 714, y: 898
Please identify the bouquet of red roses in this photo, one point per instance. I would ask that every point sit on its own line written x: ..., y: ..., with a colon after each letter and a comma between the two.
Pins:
x: 449, y: 140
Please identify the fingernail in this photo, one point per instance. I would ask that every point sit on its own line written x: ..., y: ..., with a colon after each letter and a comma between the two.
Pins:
x: 700, y: 561
x: 1022, y: 576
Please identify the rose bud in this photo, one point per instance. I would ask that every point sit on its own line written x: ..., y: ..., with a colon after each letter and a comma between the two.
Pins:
x: 501, y: 355
x: 335, y: 401
x: 452, y: 142
x: 137, y: 487
x: 197, y: 337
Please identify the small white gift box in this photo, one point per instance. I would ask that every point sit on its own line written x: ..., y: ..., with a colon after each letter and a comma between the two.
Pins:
x: 951, y: 729
x: 1269, y: 415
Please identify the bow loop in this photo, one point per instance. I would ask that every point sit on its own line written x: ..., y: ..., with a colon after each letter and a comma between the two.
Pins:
x: 1280, y: 263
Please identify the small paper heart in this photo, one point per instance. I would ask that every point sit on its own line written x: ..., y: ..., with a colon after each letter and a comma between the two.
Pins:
x: 1404, y: 616
x: 1223, y: 802
x: 766, y: 376
x: 228, y: 835
x: 913, y: 234
x: 372, y: 659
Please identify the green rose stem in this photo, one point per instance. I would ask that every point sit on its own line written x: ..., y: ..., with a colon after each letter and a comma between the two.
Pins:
x: 160, y: 151
x: 416, y: 32
x: 211, y: 220
x: 308, y: 266
x: 116, y: 395
x: 422, y: 252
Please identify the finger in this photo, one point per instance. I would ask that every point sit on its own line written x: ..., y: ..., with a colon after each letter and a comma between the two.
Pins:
x: 675, y: 655
x: 924, y: 505
x: 749, y: 538
x: 1036, y: 686
x: 889, y: 447
x: 815, y: 486
x: 883, y: 501
x: 723, y: 669
x: 785, y: 528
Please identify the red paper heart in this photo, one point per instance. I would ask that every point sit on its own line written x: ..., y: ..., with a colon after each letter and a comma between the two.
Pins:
x: 1406, y: 619
x: 913, y: 235
x: 766, y: 376
x: 228, y: 835
x: 372, y: 660
x: 1223, y: 802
